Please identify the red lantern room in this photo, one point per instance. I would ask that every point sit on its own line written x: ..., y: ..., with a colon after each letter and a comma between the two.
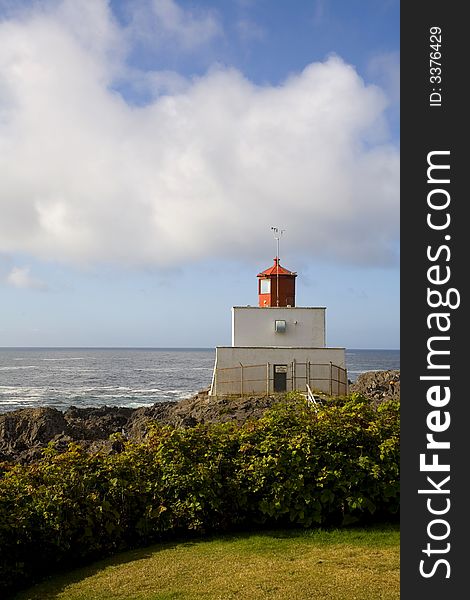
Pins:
x: 276, y: 286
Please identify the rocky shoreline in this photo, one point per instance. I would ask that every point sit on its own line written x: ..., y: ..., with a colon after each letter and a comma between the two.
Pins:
x: 377, y: 385
x: 25, y: 433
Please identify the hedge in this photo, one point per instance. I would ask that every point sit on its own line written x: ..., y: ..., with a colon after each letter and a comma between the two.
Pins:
x: 294, y: 466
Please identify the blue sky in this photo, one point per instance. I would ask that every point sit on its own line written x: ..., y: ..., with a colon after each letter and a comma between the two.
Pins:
x: 148, y: 147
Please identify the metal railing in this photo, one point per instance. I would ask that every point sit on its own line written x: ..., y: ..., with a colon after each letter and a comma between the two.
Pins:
x: 245, y: 379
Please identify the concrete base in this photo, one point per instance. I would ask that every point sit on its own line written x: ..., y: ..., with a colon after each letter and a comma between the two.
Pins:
x: 255, y: 370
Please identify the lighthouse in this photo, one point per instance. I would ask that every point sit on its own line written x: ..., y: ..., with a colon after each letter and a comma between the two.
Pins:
x: 276, y: 286
x: 278, y: 346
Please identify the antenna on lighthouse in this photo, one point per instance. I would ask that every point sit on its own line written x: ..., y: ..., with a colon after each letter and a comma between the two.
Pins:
x: 277, y: 236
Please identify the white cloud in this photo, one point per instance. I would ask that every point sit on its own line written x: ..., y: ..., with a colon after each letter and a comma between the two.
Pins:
x: 249, y: 30
x: 161, y: 21
x: 202, y: 171
x: 385, y: 68
x: 20, y: 277
x: 320, y: 12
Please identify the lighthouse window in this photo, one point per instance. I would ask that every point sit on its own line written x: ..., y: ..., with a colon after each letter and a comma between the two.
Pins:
x: 280, y: 326
x: 265, y: 287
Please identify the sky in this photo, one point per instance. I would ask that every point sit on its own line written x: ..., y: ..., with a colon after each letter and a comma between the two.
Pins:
x: 147, y: 147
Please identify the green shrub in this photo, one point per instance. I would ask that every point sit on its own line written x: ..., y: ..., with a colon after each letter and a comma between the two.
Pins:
x: 294, y: 465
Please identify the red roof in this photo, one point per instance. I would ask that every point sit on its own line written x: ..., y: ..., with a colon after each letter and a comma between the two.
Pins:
x: 276, y: 269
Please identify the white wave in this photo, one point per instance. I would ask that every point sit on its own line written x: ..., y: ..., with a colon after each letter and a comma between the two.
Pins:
x: 10, y: 401
x: 78, y: 370
x: 137, y: 404
x: 97, y: 388
x: 66, y: 358
x: 115, y: 395
x: 23, y: 391
x: 21, y: 400
x: 16, y: 368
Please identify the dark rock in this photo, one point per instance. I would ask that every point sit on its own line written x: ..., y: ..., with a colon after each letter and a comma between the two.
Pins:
x: 30, y: 427
x: 378, y: 385
x: 96, y: 423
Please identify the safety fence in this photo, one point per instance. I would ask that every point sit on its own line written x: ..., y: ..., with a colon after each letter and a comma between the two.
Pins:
x: 268, y: 377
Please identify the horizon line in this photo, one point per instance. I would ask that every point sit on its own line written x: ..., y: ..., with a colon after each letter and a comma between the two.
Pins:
x: 140, y: 348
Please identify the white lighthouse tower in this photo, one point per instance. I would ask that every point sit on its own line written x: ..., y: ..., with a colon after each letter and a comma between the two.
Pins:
x: 277, y: 346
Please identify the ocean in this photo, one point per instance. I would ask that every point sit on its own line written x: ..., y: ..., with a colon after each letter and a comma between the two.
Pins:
x: 133, y: 377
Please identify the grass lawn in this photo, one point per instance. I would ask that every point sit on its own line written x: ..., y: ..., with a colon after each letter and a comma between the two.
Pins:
x: 352, y: 564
